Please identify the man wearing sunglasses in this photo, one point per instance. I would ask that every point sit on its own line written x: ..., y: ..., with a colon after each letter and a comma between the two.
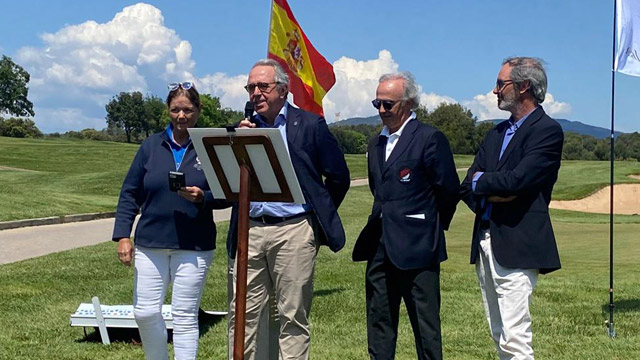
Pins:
x: 284, y: 237
x: 415, y: 188
x: 509, y: 187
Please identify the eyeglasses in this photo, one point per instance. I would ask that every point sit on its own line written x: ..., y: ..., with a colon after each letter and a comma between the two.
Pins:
x: 186, y: 85
x: 386, y: 104
x: 500, y: 84
x: 262, y: 86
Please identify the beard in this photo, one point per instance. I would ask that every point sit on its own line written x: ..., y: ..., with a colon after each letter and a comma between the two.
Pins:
x: 508, y: 102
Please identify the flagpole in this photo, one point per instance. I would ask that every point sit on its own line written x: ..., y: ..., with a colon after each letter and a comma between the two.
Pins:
x: 610, y: 324
x: 270, y: 27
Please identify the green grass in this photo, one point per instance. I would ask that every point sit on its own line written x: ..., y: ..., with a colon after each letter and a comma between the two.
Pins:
x: 569, y: 308
x: 578, y: 178
x: 357, y: 164
x: 60, y: 177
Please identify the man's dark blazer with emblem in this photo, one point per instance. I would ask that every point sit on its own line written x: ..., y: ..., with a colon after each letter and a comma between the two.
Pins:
x: 415, y: 195
x: 521, y: 232
x: 314, y: 154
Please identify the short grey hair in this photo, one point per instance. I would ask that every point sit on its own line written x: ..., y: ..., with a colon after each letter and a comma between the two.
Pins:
x: 411, y: 91
x: 281, y: 77
x: 529, y: 69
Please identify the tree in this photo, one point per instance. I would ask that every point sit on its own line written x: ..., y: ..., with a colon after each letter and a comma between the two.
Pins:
x: 156, y: 114
x: 127, y: 112
x: 213, y: 115
x: 633, y: 144
x: 456, y: 122
x: 349, y: 141
x: 481, y: 132
x: 13, y: 89
x: 19, y: 128
x: 573, y: 148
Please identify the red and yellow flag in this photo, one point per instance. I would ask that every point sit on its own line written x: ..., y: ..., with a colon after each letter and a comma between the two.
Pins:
x: 310, y: 74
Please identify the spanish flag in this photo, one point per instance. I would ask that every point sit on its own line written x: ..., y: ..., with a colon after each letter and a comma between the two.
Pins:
x: 310, y: 74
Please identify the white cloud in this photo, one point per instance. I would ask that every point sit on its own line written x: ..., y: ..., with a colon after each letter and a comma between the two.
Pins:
x: 356, y: 83
x: 80, y: 67
x: 485, y: 106
x: 555, y: 108
x: 355, y: 87
x: 431, y: 100
x: 230, y: 89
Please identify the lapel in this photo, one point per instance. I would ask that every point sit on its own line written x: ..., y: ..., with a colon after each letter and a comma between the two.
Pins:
x: 519, y: 135
x: 402, y: 145
x: 493, y: 147
x: 379, y: 152
x: 294, y: 121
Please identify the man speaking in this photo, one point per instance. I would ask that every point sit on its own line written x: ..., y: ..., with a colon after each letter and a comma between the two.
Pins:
x: 284, y: 237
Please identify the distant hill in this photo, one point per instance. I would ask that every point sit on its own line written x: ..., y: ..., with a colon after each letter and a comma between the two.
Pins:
x: 567, y: 125
x: 576, y: 127
x: 371, y: 120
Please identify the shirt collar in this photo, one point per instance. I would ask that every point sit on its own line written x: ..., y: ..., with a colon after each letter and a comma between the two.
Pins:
x: 518, y: 123
x: 385, y: 129
x: 280, y: 118
x: 172, y: 142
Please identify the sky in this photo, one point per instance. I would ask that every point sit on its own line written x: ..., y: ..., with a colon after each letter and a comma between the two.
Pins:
x: 81, y: 53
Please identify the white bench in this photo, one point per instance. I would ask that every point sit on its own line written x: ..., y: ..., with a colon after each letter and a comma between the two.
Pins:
x: 115, y: 316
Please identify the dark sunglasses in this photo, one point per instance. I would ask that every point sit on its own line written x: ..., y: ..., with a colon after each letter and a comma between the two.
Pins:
x: 186, y: 85
x: 500, y: 84
x: 386, y: 104
x: 262, y: 86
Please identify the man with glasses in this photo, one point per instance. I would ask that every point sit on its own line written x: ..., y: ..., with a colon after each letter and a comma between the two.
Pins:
x: 415, y: 188
x: 509, y: 188
x: 284, y: 237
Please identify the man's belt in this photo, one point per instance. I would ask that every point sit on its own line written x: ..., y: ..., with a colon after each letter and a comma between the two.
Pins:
x: 272, y: 220
x: 485, y: 224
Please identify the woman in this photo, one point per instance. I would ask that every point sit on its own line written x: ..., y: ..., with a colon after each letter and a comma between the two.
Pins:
x: 175, y: 236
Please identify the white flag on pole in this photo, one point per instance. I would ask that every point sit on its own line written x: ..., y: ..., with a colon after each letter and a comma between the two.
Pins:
x: 628, y: 37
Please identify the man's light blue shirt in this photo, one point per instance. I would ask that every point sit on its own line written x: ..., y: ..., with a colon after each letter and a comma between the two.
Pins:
x: 508, y: 135
x: 279, y: 209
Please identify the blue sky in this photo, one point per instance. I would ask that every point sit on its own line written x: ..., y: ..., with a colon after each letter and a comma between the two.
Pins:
x: 81, y: 53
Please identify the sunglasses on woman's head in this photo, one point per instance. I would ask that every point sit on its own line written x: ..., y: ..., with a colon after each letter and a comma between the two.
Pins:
x: 186, y: 85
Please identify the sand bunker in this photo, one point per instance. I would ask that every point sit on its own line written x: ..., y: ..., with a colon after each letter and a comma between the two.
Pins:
x: 626, y: 200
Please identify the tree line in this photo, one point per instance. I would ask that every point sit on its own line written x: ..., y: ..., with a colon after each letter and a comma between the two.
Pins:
x: 455, y: 121
x: 132, y: 117
x: 465, y: 136
x: 139, y: 116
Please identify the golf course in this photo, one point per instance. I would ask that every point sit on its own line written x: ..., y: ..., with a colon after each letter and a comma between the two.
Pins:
x: 55, y: 177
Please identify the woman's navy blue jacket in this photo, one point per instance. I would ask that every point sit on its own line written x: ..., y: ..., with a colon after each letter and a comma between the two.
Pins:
x: 167, y: 220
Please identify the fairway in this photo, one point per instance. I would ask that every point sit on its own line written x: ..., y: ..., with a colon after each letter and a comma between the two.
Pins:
x: 569, y: 306
x: 56, y: 177
x: 64, y: 176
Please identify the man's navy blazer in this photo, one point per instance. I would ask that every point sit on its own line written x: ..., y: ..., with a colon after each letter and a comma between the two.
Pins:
x: 415, y: 195
x: 521, y: 232
x: 314, y: 154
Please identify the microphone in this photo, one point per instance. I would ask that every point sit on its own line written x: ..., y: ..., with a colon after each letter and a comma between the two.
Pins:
x: 248, y: 112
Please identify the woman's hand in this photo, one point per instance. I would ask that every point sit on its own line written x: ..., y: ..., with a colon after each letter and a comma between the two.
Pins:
x: 125, y: 251
x: 192, y: 193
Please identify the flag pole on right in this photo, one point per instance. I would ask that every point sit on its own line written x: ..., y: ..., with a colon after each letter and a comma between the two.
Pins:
x: 625, y: 59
